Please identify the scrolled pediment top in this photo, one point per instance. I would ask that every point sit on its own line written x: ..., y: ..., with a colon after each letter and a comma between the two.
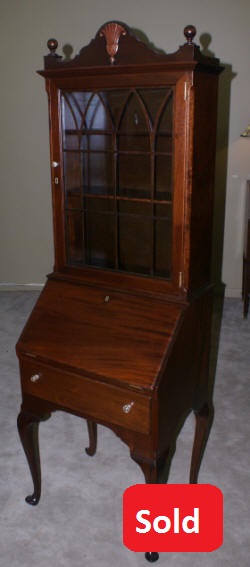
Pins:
x: 115, y: 44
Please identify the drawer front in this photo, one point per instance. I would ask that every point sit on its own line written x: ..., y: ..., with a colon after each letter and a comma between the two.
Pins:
x: 92, y: 399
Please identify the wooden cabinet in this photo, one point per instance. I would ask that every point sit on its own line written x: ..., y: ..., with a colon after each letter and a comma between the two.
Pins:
x: 120, y: 334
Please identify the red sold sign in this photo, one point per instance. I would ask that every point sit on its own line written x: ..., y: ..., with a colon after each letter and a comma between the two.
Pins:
x: 173, y: 517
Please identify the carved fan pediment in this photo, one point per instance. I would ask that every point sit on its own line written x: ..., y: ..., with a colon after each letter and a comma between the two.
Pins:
x: 112, y: 32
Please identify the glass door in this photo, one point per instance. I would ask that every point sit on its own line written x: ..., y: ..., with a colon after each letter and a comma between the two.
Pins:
x: 118, y: 160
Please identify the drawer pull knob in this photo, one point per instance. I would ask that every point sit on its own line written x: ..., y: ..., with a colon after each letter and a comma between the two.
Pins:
x: 35, y: 377
x: 127, y: 407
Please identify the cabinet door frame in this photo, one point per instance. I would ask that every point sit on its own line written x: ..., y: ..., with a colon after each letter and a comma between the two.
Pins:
x: 182, y: 183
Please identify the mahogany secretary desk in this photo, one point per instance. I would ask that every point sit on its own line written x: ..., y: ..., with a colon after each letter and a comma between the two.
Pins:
x: 120, y: 333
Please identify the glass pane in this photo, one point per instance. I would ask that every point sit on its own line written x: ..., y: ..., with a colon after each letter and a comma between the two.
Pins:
x: 74, y: 199
x: 165, y: 127
x: 135, y: 238
x: 99, y: 205
x: 145, y: 238
x: 83, y: 111
x: 97, y: 116
x: 115, y: 101
x: 73, y: 106
x: 98, y: 173
x: 135, y: 116
x: 153, y: 100
x: 134, y: 176
x: 163, y: 178
x: 137, y: 209
x: 71, y: 140
x: 134, y: 126
x: 166, y: 116
x: 74, y: 237
x: 73, y: 179
x: 100, y: 239
x: 97, y: 142
x: 134, y: 143
x: 164, y: 143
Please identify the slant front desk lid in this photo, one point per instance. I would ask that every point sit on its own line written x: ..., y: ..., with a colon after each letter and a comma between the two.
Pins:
x: 119, y: 338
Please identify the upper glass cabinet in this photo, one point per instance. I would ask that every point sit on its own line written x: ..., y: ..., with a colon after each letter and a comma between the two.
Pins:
x: 118, y: 159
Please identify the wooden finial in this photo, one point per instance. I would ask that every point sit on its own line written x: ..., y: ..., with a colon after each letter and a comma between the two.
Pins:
x: 52, y: 45
x: 190, y: 32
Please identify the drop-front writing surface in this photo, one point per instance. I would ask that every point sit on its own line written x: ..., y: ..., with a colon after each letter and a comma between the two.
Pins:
x: 118, y: 161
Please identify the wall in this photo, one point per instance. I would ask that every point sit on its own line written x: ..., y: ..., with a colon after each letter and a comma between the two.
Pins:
x: 25, y: 225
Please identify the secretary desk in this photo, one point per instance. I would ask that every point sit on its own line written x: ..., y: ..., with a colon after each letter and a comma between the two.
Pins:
x: 120, y: 334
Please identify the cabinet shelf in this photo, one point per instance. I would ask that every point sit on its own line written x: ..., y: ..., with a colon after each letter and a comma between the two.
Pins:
x: 103, y: 132
x: 118, y: 152
x: 109, y: 194
x: 119, y: 214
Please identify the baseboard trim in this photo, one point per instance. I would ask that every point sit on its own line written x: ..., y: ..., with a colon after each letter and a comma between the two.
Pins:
x: 233, y: 292
x: 21, y: 287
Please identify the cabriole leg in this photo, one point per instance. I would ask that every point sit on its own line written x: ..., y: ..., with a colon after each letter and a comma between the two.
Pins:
x: 150, y: 469
x: 92, y: 429
x: 28, y: 431
x: 152, y: 472
x: 204, y: 418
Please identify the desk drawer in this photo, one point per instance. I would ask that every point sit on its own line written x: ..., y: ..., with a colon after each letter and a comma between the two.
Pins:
x: 91, y: 398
